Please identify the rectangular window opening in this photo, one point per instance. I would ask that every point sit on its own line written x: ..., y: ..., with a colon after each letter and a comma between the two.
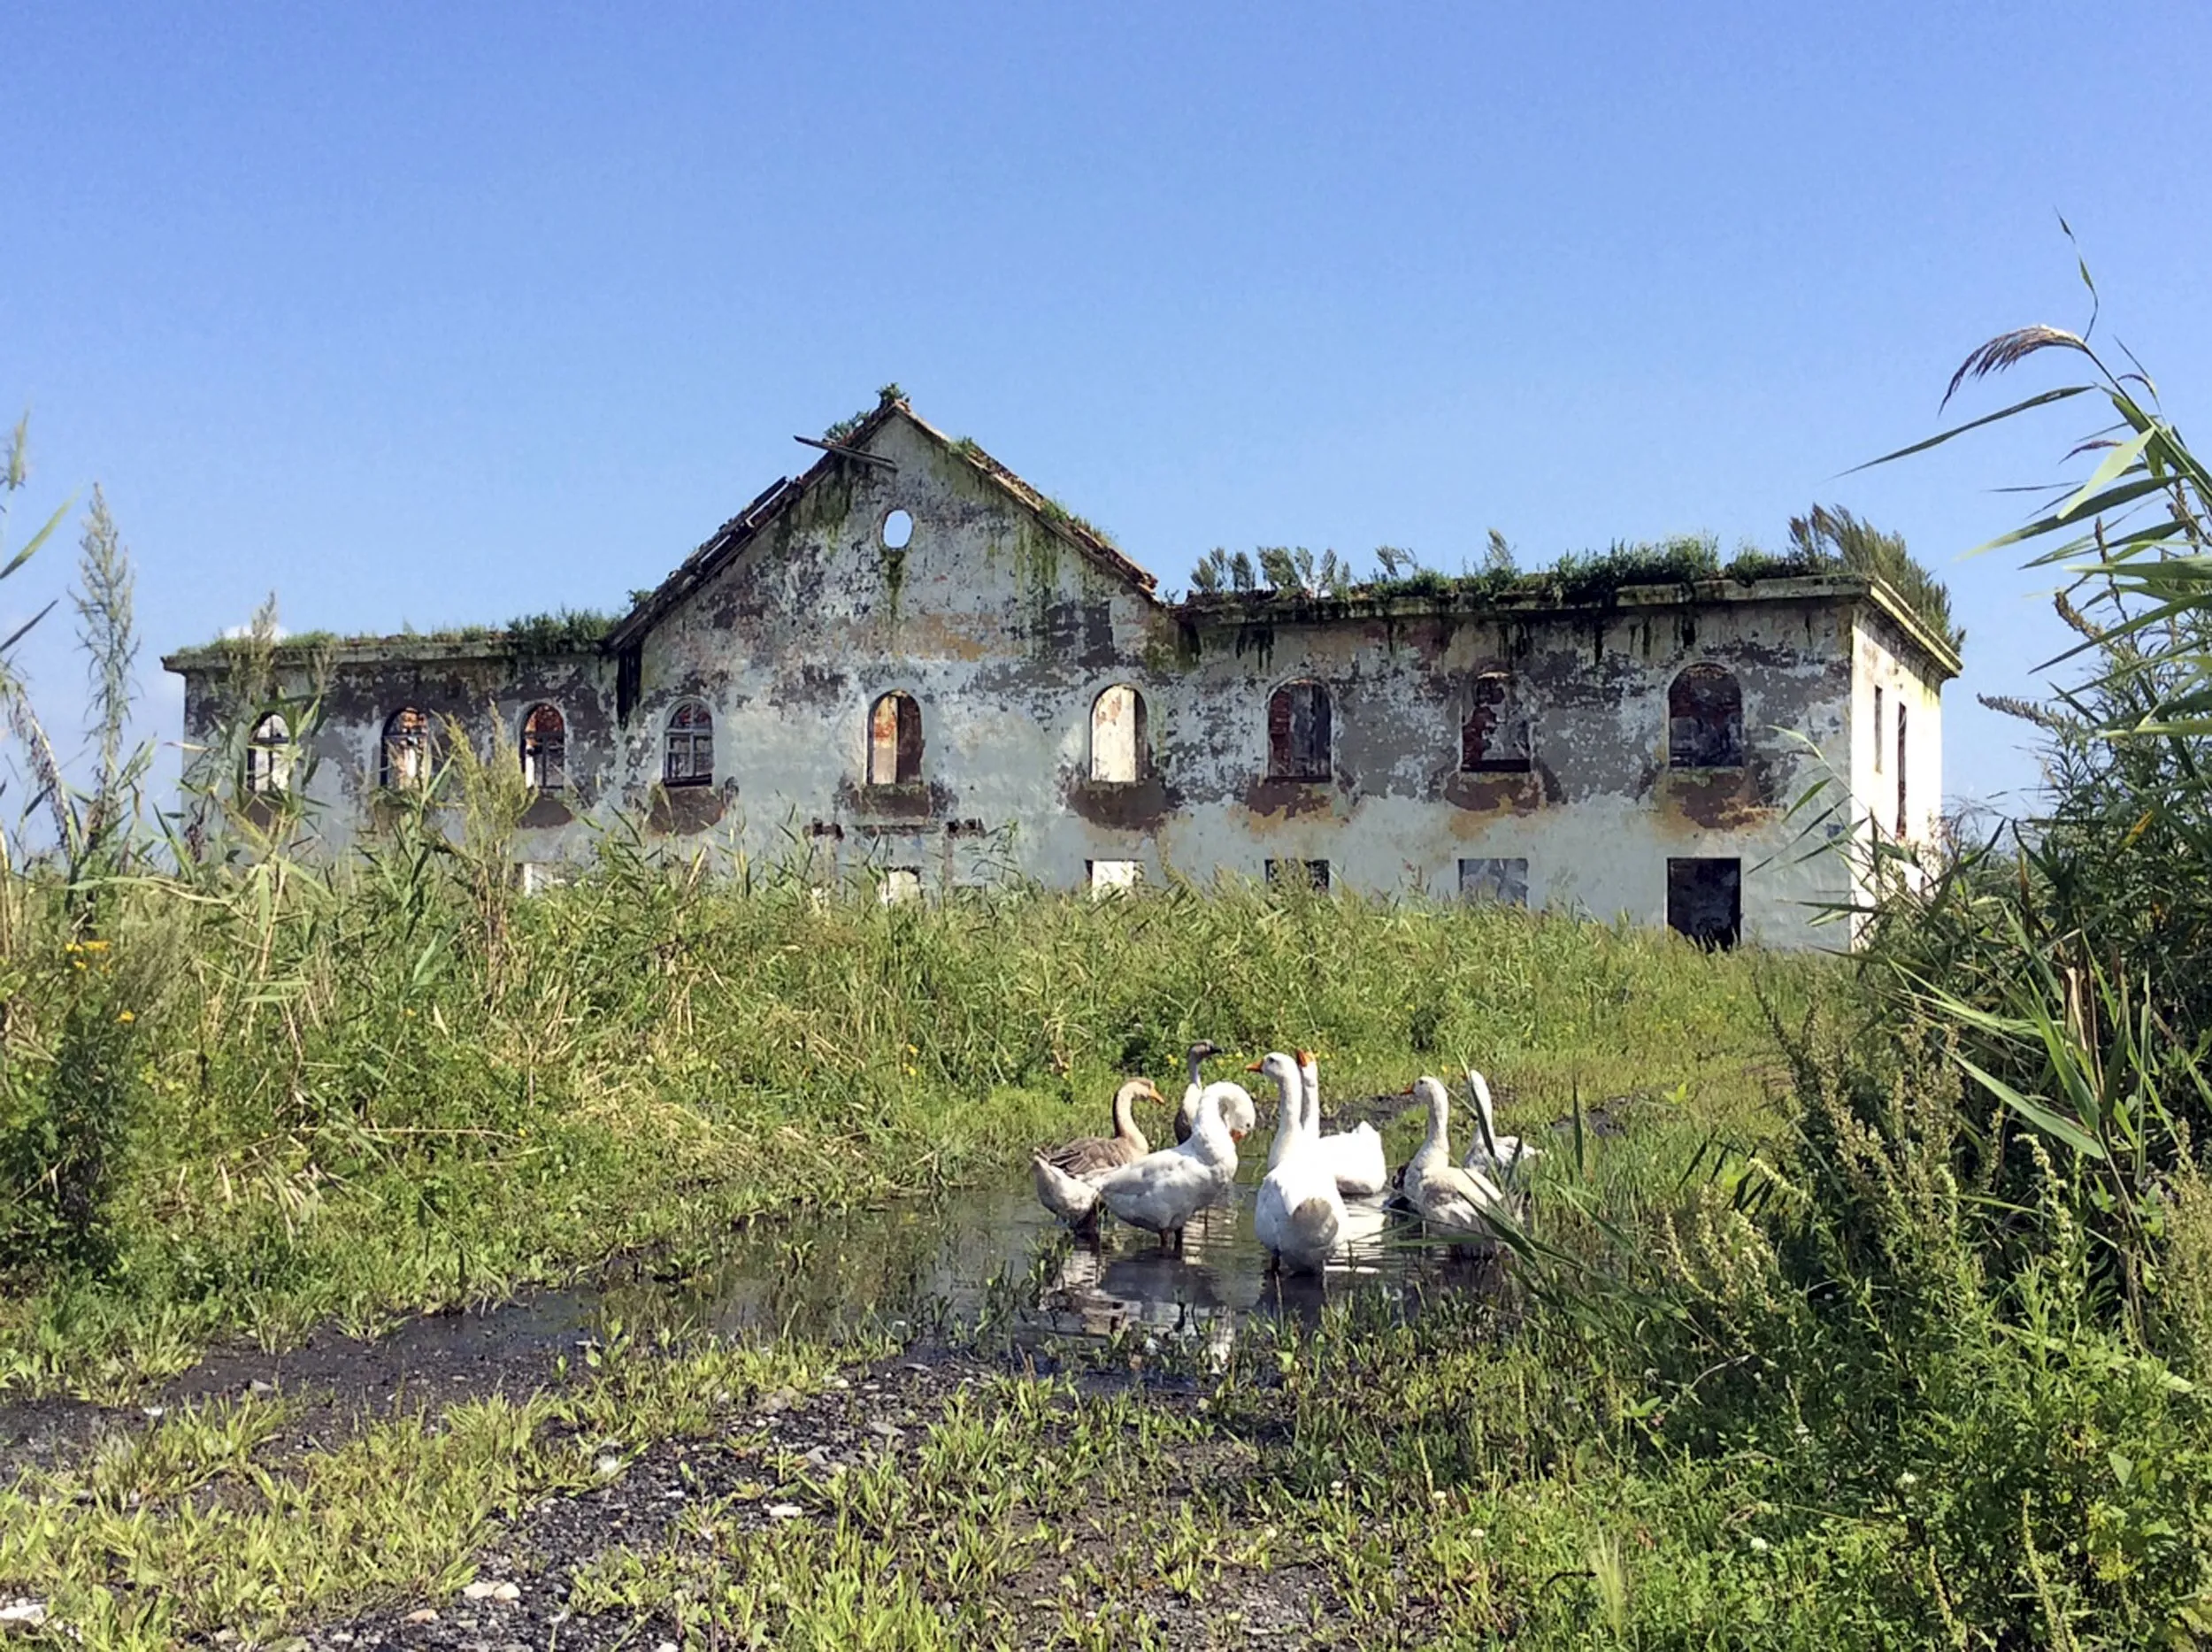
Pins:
x: 1109, y: 875
x: 895, y: 740
x: 1299, y: 874
x: 1705, y: 719
x: 1705, y: 899
x: 629, y: 677
x: 1878, y: 729
x: 1901, y: 771
x: 1120, y: 749
x: 1502, y: 881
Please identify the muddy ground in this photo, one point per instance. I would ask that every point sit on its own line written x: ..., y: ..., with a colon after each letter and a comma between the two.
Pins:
x: 521, y: 1597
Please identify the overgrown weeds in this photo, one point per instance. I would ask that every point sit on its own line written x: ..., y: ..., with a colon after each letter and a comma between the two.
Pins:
x: 399, y: 1083
x: 1896, y: 1335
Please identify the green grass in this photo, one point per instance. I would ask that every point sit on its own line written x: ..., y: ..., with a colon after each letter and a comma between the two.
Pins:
x: 1476, y: 1476
x: 396, y: 1088
x: 193, y: 1526
x: 1727, y: 1400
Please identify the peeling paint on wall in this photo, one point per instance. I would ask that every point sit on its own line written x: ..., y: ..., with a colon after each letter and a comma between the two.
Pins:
x: 1532, y: 754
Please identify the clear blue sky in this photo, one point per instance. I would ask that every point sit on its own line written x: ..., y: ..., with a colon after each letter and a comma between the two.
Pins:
x: 433, y: 314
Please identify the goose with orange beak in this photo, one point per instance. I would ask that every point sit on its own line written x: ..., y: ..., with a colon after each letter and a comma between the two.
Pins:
x: 1161, y: 1191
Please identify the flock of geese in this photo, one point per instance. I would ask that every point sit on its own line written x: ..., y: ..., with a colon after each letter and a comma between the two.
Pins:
x: 1299, y: 1212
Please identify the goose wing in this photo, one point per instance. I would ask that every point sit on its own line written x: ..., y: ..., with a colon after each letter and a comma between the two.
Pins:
x: 1462, y: 1199
x: 1355, y: 1157
x: 1092, y: 1155
x: 1160, y: 1192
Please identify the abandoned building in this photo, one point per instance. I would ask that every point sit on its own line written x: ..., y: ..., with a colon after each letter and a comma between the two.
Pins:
x: 906, y: 665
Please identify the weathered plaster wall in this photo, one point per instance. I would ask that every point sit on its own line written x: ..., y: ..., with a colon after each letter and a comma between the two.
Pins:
x: 1001, y: 630
x: 1883, y: 658
x: 1005, y: 632
x: 486, y: 688
x: 1601, y: 813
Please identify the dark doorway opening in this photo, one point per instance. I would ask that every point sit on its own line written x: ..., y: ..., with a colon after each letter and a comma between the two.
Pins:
x: 1705, y: 899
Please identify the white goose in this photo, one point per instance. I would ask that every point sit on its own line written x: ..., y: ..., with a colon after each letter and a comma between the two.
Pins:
x: 1443, y: 1195
x: 1236, y: 1110
x: 1161, y: 1191
x: 1298, y: 1214
x: 1354, y: 1157
x: 1497, y: 1157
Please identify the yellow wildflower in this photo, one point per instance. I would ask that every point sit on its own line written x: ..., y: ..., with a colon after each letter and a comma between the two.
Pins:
x: 128, y: 1017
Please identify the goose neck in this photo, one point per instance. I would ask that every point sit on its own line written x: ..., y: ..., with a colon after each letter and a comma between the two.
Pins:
x: 1125, y: 1112
x: 1438, y: 1144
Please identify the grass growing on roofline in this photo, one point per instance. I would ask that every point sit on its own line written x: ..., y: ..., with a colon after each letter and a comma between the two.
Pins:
x: 396, y: 1086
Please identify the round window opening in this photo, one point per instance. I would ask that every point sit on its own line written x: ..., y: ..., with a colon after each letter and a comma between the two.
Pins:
x: 898, y: 528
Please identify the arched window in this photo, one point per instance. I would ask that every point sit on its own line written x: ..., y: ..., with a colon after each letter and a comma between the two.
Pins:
x: 405, y: 765
x: 544, y: 750
x: 1493, y: 739
x: 687, y: 757
x: 1705, y: 720
x: 1121, y: 754
x: 1298, y: 733
x: 895, y: 740
x: 269, y: 757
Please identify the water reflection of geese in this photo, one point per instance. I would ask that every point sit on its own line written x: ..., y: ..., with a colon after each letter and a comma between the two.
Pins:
x: 1360, y: 1250
x: 1220, y: 1275
x: 972, y: 1254
x: 1107, y: 1289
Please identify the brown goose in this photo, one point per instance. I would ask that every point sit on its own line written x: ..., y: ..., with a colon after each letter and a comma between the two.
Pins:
x: 1090, y: 1155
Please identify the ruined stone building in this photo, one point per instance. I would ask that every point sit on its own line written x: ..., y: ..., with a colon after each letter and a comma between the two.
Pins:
x: 906, y: 665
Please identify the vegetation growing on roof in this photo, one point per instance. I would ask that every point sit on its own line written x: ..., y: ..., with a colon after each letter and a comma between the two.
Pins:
x: 1055, y: 512
x: 567, y: 631
x: 1828, y: 541
x: 844, y: 428
x: 1859, y: 547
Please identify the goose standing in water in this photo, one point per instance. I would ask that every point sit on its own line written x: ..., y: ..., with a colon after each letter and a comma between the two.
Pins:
x: 1443, y: 1195
x: 1236, y: 1111
x: 1298, y: 1213
x: 1087, y: 1158
x: 1161, y: 1191
x: 1497, y: 1157
x: 1354, y: 1157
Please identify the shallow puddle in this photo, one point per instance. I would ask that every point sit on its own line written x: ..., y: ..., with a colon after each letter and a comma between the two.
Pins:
x: 992, y: 1258
x: 982, y: 1264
